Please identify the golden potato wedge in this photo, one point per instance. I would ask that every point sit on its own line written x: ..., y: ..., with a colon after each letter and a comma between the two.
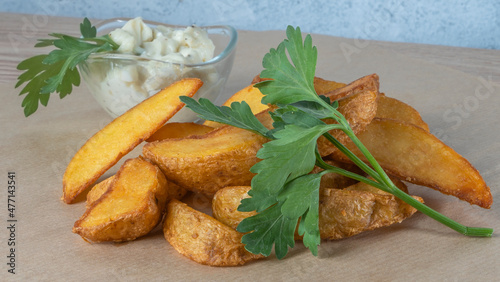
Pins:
x: 174, y: 191
x: 202, y: 238
x: 414, y: 155
x: 131, y: 207
x: 209, y: 162
x: 179, y: 130
x: 119, y: 137
x: 342, y: 212
x: 347, y: 212
x: 225, y: 205
x: 391, y: 108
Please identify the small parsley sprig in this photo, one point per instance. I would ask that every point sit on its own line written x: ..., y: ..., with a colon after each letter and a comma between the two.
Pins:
x: 56, y: 71
x: 284, y: 192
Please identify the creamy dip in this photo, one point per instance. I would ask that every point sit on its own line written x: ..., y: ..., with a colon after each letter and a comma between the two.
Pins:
x: 122, y: 84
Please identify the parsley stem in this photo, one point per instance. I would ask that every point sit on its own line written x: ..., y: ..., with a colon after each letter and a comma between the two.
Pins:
x: 468, y: 231
x: 357, y: 161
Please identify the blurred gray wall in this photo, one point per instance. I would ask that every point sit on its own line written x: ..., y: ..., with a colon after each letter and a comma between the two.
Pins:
x: 474, y: 23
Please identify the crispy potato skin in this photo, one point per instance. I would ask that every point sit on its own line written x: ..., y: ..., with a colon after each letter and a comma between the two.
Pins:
x: 392, y: 108
x: 131, y: 207
x: 225, y: 205
x: 347, y: 212
x: 202, y: 238
x: 123, y: 134
x: 413, y: 154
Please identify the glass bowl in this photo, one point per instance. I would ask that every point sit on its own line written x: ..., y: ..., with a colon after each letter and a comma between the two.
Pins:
x: 120, y: 81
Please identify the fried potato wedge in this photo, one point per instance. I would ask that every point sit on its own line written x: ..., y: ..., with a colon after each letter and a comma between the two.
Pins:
x: 225, y: 205
x: 174, y: 191
x: 413, y: 154
x: 347, y: 212
x: 342, y: 212
x: 202, y: 238
x: 220, y: 158
x: 392, y: 108
x: 179, y: 130
x: 124, y: 133
x: 130, y: 208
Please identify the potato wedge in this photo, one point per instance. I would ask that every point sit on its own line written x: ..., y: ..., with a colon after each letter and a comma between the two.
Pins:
x: 209, y: 162
x: 347, y: 212
x: 202, y: 238
x: 119, y: 137
x: 342, y: 212
x: 179, y: 130
x: 413, y: 154
x: 174, y: 191
x: 130, y: 208
x: 391, y: 108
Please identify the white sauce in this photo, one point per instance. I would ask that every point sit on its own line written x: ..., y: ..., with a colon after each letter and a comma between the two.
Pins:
x: 121, y: 86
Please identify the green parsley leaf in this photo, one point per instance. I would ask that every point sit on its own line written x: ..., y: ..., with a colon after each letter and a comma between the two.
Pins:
x: 87, y: 30
x: 279, y: 165
x: 238, y: 115
x: 269, y: 227
x: 301, y: 200
x: 290, y: 83
x: 57, y: 71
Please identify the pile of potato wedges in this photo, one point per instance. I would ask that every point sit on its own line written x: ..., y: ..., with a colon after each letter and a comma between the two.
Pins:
x: 215, y: 160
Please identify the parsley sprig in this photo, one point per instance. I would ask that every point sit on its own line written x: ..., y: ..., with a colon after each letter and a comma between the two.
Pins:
x: 284, y: 192
x: 56, y: 71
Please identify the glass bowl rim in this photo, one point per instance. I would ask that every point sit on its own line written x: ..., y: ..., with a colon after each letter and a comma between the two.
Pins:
x: 109, y: 23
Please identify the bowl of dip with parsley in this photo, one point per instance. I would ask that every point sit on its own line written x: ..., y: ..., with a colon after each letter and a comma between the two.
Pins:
x: 152, y: 56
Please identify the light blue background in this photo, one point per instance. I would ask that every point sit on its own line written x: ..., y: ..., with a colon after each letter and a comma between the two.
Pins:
x: 464, y: 23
